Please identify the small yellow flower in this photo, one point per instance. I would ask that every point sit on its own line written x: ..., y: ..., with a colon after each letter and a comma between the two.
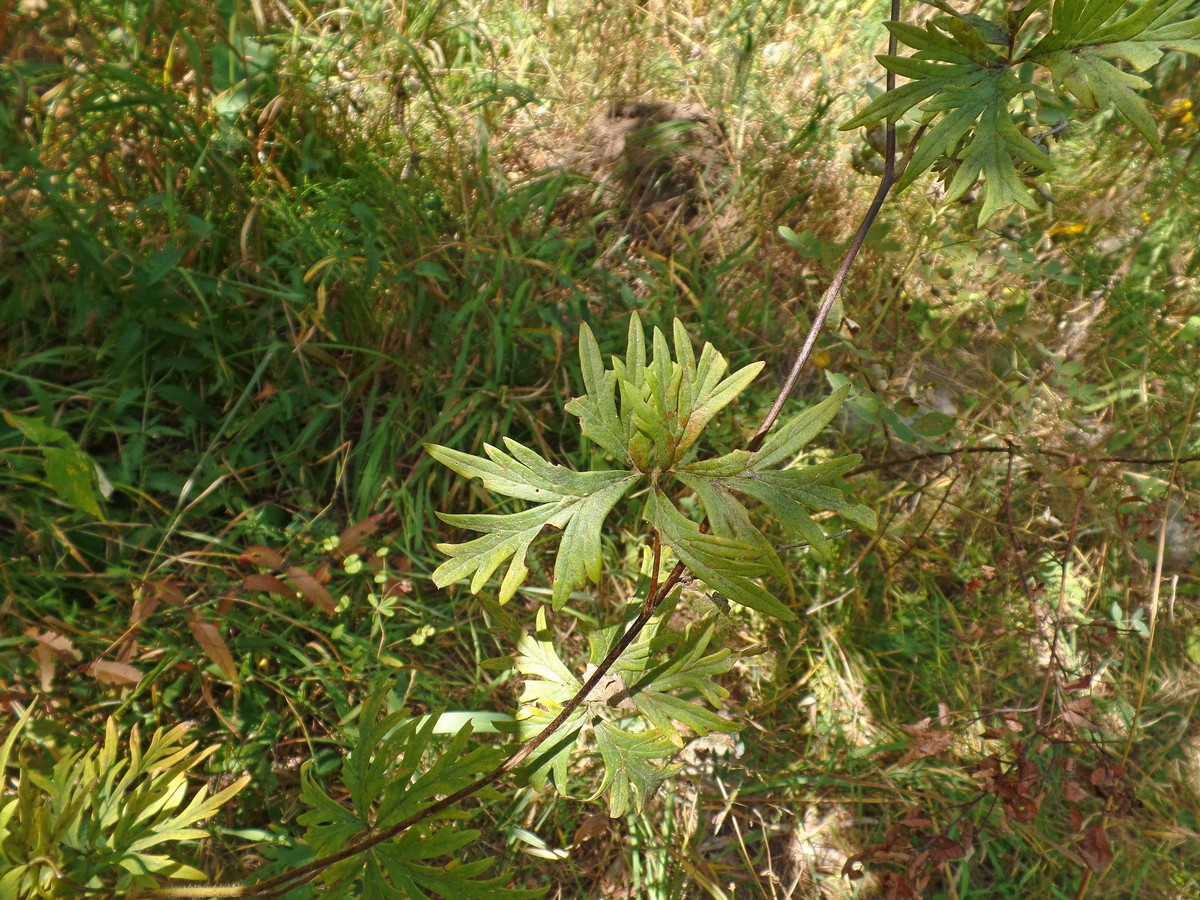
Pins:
x: 1181, y: 107
x: 1070, y: 228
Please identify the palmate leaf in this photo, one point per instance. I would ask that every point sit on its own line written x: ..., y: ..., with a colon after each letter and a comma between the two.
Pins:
x: 1097, y: 83
x: 940, y: 63
x: 390, y: 776
x: 1081, y: 45
x: 791, y: 495
x: 397, y: 868
x: 788, y: 439
x: 548, y: 685
x: 665, y: 402
x: 659, y: 692
x: 966, y: 90
x: 724, y: 563
x: 96, y: 816
x: 703, y: 389
x: 405, y: 878
x: 597, y: 408
x: 635, y: 765
x: 651, y: 691
x: 963, y: 82
x: 995, y: 144
x: 1153, y: 26
x: 662, y: 669
x: 576, y: 502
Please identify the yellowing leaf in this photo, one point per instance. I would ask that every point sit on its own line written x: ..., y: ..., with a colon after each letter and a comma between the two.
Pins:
x: 72, y: 474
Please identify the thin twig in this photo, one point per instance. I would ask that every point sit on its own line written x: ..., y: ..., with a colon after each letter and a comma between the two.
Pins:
x: 839, y: 278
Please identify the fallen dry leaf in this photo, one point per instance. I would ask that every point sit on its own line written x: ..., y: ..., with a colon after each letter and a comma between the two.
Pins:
x: 593, y: 826
x: 208, y: 636
x: 351, y: 540
x: 56, y: 644
x: 258, y: 555
x: 311, y: 589
x: 926, y: 742
x: 268, y: 584
x: 1095, y: 848
x: 108, y: 672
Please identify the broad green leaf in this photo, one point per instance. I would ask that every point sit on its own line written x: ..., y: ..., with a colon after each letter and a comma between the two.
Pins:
x: 1081, y: 41
x: 933, y: 424
x: 731, y: 463
x: 659, y: 692
x: 727, y: 517
x: 37, y: 430
x: 597, y: 409
x: 963, y: 85
x: 1099, y: 84
x: 72, y: 475
x: 990, y: 153
x: 710, y: 401
x: 548, y: 685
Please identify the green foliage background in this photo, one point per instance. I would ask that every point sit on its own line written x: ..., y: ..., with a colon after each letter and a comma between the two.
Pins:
x: 252, y: 259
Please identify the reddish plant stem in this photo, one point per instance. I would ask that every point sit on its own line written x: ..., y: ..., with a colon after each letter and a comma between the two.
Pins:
x: 276, y: 887
x: 839, y: 278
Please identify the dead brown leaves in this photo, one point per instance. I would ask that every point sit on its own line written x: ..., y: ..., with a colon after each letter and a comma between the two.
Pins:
x: 201, y: 609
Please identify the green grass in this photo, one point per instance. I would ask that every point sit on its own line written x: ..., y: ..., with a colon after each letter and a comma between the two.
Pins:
x: 250, y: 261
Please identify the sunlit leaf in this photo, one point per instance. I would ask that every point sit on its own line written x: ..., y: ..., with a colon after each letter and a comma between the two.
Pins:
x: 576, y: 502
x: 635, y: 766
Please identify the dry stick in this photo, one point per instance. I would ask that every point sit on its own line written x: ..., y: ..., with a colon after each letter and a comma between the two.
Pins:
x: 275, y: 887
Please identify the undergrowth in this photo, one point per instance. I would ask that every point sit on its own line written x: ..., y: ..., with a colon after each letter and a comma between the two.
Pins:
x: 253, y: 258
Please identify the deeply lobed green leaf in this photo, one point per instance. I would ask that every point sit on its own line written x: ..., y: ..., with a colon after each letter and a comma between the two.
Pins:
x: 962, y: 78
